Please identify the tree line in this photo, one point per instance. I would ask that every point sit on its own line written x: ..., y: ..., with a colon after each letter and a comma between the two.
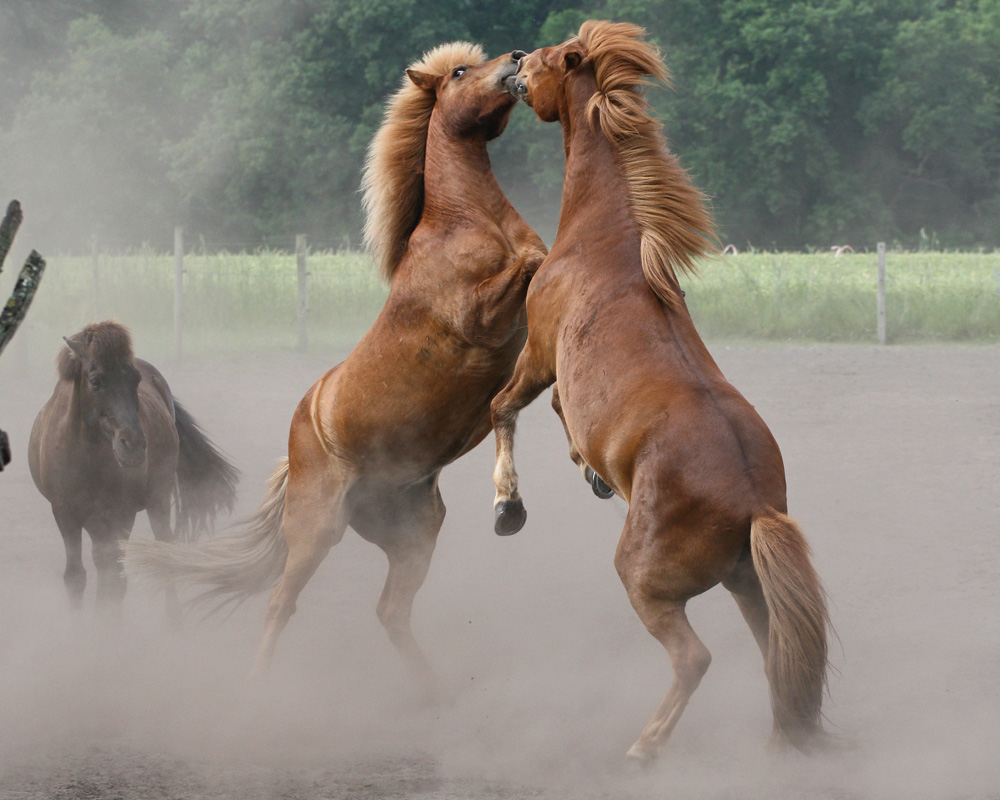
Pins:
x: 809, y: 123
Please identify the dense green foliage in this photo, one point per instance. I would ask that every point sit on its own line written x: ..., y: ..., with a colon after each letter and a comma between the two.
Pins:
x: 809, y: 122
x: 235, y: 303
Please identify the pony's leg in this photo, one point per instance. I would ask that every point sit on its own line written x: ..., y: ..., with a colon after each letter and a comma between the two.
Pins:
x: 530, y: 379
x: 158, y: 512
x: 75, y: 576
x: 647, y: 576
x: 106, y: 541
x: 406, y: 528
x: 313, y: 523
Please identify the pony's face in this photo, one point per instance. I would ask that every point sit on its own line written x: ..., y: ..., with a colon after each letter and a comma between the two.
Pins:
x: 473, y: 98
x: 540, y: 80
x: 111, y: 389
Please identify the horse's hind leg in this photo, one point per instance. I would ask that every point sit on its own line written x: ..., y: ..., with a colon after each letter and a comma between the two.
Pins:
x: 406, y: 528
x: 313, y: 523
x: 745, y: 587
x: 648, y: 577
x: 75, y: 576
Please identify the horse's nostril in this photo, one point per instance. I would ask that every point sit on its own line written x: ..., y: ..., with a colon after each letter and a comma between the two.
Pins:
x: 517, y: 55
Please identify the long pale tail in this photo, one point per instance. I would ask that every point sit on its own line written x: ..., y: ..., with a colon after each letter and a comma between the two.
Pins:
x: 798, y: 620
x: 231, y: 567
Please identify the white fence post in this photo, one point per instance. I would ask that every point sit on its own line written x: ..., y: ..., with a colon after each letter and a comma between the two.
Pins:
x: 95, y: 262
x: 178, y: 289
x: 301, y: 251
x: 881, y: 292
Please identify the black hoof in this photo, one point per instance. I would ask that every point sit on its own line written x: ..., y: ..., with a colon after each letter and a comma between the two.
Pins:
x: 601, y: 489
x: 508, y: 517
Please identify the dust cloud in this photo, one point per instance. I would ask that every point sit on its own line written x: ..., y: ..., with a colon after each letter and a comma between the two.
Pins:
x: 546, y: 675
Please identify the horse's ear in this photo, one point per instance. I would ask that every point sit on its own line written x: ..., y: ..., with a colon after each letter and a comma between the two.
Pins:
x: 76, y: 347
x: 421, y: 80
x: 573, y: 56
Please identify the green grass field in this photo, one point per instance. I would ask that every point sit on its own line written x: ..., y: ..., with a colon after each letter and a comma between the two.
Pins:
x: 248, y: 301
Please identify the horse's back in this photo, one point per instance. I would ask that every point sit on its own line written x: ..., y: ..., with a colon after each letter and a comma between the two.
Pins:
x: 154, y: 379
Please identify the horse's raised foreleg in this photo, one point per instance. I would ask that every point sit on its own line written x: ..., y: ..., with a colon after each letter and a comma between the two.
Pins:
x: 601, y: 489
x: 75, y: 576
x: 405, y: 526
x: 313, y: 523
x: 497, y: 301
x: 530, y: 379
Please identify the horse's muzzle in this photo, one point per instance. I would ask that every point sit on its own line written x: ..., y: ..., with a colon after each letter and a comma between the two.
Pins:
x: 129, y: 450
x: 516, y: 86
x: 508, y: 73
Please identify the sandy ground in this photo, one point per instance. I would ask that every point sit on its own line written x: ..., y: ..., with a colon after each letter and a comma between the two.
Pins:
x: 893, y: 462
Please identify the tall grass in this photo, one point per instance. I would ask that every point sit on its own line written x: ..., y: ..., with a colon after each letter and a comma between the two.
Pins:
x: 828, y: 298
x: 247, y: 302
x: 231, y: 301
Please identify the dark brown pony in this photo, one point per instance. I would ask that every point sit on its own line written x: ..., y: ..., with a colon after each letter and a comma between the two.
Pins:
x: 646, y: 410
x: 369, y: 439
x: 112, y: 441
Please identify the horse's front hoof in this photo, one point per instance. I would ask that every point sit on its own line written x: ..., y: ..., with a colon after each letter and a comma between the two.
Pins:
x: 508, y: 517
x: 639, y: 756
x: 601, y: 489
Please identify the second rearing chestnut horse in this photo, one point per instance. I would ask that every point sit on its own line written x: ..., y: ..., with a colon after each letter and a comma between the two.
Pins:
x: 370, y: 438
x: 646, y: 409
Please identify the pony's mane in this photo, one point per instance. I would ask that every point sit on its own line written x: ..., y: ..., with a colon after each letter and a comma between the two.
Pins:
x: 108, y: 344
x: 672, y: 214
x: 393, y: 180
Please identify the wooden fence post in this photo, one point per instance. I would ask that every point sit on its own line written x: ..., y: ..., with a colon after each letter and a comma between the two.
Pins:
x: 881, y: 292
x: 96, y: 263
x: 178, y: 289
x: 303, y: 297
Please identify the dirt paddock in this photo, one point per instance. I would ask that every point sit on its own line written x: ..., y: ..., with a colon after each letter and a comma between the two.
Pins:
x: 893, y: 462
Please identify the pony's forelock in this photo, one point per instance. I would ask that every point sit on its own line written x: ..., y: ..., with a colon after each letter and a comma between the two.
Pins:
x: 108, y: 344
x: 672, y: 214
x: 393, y: 179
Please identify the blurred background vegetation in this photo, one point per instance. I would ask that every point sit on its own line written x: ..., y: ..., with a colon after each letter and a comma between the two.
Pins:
x: 809, y: 122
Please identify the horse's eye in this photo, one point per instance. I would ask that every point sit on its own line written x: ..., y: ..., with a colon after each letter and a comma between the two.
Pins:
x: 95, y: 382
x: 458, y: 72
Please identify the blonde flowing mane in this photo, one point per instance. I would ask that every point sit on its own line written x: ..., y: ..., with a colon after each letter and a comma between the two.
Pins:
x: 393, y: 180
x: 672, y: 214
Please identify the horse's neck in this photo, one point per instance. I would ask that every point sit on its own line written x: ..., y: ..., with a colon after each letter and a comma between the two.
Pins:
x: 594, y: 188
x: 458, y: 178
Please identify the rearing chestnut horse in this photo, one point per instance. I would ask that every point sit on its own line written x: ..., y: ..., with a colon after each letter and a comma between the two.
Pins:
x: 646, y: 410
x: 369, y: 439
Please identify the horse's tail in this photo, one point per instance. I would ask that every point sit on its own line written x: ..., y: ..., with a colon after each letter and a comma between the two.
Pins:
x: 231, y: 568
x: 206, y: 481
x: 798, y: 621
